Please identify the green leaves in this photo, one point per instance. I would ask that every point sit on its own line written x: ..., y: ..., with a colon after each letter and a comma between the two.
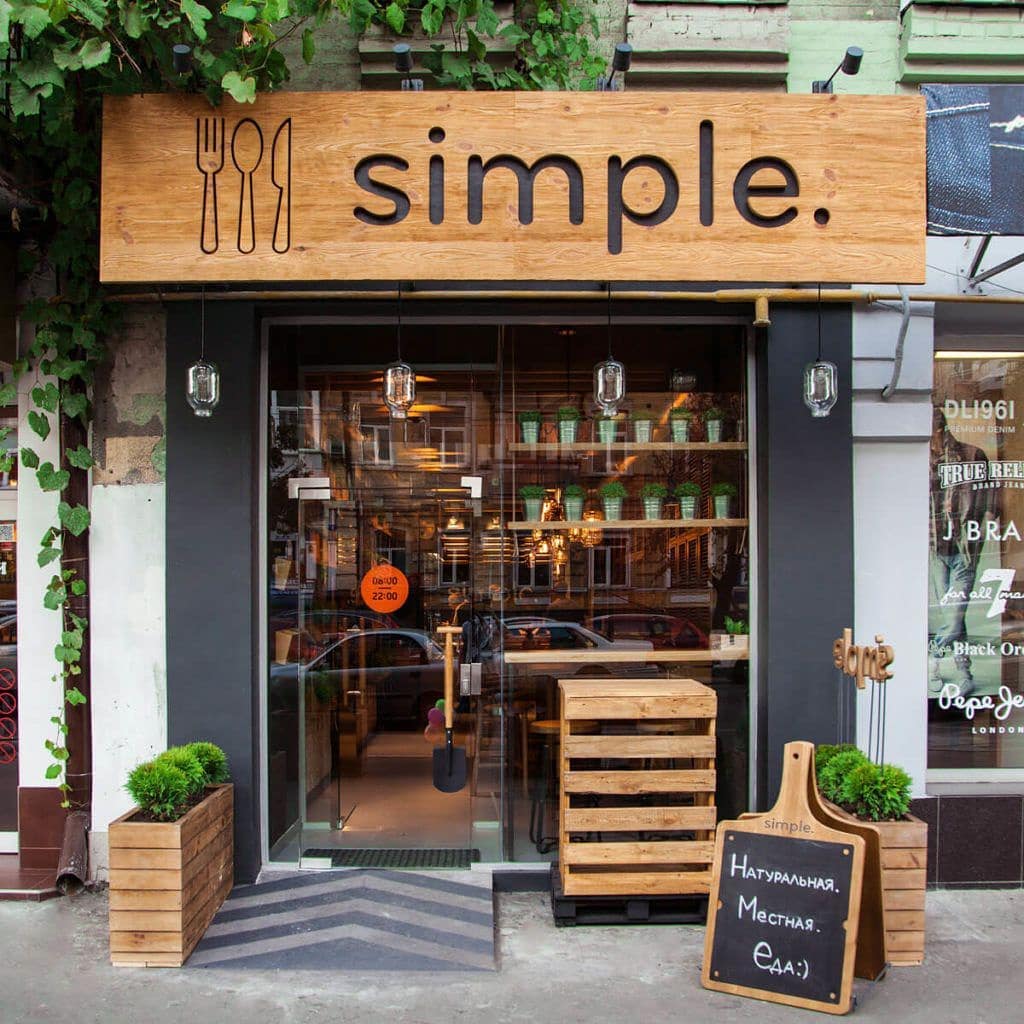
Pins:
x: 197, y: 16
x: 243, y: 90
x: 308, y: 45
x: 93, y: 53
x: 29, y: 459
x: 51, y: 479
x: 74, y: 519
x: 48, y: 555
x: 33, y: 19
x: 39, y: 424
x: 46, y: 397
x: 80, y: 457
x: 240, y: 10
x: 395, y: 17
x: 9, y: 392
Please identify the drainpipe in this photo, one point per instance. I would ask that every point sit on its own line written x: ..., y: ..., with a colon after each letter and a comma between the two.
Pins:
x: 897, y: 366
x: 73, y: 865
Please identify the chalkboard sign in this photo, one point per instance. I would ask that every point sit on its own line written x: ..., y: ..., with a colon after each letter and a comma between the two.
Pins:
x: 782, y: 905
x: 785, y: 903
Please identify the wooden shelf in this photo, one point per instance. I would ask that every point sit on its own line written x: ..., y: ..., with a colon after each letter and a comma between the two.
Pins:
x: 604, y: 656
x: 624, y: 524
x: 595, y: 447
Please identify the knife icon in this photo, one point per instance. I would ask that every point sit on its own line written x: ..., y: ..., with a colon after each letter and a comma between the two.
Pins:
x: 281, y: 176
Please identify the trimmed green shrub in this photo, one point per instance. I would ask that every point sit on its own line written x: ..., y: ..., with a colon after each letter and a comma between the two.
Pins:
x: 687, y: 489
x: 723, y: 490
x: 530, y: 416
x: 613, y: 489
x: 642, y: 414
x: 876, y: 793
x: 824, y: 753
x: 531, y: 492
x: 680, y: 414
x: 714, y: 413
x: 189, y: 765
x: 736, y: 627
x: 160, y: 789
x: 574, y: 491
x: 567, y: 413
x: 654, y: 491
x: 832, y: 776
x: 213, y: 760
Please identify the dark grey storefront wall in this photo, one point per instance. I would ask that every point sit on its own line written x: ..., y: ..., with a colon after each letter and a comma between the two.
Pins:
x: 212, y: 554
x: 805, y: 521
x: 805, y: 529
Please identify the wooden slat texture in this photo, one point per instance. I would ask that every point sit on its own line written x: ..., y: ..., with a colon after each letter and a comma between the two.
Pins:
x: 668, y: 852
x: 900, y: 834
x: 641, y: 707
x: 159, y: 911
x: 903, y: 899
x: 898, y: 879
x: 904, y: 921
x: 634, y: 782
x: 904, y: 942
x: 575, y: 689
x: 904, y: 858
x: 636, y: 883
x: 639, y: 819
x: 640, y: 746
x: 844, y: 150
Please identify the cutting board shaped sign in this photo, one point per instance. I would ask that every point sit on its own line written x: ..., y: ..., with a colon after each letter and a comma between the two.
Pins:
x: 785, y: 906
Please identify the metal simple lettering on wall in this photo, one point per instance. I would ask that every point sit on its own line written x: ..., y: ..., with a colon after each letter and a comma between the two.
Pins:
x: 976, y: 571
x: 975, y: 159
x: 506, y: 186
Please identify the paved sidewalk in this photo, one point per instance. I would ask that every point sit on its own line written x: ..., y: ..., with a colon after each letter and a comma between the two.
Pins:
x: 54, y: 967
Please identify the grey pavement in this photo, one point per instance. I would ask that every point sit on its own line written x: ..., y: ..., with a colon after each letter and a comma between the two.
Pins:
x: 54, y: 967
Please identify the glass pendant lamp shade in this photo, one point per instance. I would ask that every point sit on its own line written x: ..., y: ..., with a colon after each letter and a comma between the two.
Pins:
x: 821, y: 387
x: 202, y: 389
x: 399, y: 389
x: 609, y: 386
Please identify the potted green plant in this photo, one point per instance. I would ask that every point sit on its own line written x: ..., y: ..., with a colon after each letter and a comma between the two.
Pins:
x: 688, y: 494
x: 612, y: 494
x: 606, y: 428
x: 529, y: 425
x: 533, y: 501
x: 568, y: 417
x: 643, y: 425
x: 573, y: 496
x: 880, y: 794
x: 653, y: 495
x: 734, y: 639
x: 713, y: 419
x: 721, y: 496
x: 679, y: 425
x: 171, y: 856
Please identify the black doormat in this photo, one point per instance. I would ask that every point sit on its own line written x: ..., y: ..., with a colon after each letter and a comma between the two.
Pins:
x: 415, y: 860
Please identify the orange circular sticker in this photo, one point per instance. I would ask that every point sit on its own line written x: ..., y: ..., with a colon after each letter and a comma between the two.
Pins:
x: 384, y: 588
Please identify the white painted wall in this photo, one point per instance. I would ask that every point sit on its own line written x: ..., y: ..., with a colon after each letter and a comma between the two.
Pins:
x: 129, y: 646
x: 39, y: 697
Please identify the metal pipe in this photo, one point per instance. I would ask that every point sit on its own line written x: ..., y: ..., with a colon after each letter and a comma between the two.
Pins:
x: 897, y: 366
x: 722, y: 295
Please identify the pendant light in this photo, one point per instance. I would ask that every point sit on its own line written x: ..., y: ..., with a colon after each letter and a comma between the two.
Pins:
x: 609, y: 375
x: 399, y: 378
x: 202, y: 382
x: 821, y: 379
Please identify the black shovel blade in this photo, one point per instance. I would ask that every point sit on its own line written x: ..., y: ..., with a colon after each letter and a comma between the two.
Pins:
x: 449, y: 767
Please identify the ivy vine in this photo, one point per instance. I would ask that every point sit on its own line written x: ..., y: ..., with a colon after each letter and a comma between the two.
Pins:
x: 58, y: 58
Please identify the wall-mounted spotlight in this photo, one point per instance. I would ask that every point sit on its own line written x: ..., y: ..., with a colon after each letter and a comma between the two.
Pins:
x: 403, y: 65
x: 849, y: 65
x: 181, y: 58
x: 621, y: 60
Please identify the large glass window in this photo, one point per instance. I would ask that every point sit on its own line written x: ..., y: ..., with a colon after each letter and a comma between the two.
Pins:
x: 616, y: 548
x: 976, y: 568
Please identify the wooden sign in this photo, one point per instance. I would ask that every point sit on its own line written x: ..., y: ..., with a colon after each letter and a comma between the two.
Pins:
x: 784, y: 910
x: 384, y: 588
x: 514, y: 186
x: 861, y: 662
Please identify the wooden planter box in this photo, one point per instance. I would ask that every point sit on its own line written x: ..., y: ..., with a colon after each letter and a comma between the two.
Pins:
x: 168, y: 879
x: 904, y: 850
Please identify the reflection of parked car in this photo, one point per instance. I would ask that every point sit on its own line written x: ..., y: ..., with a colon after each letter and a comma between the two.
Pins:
x: 321, y: 627
x: 662, y: 631
x: 401, y: 670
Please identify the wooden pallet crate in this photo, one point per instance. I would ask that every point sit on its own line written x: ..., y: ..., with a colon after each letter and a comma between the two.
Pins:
x: 623, y: 743
x: 168, y: 879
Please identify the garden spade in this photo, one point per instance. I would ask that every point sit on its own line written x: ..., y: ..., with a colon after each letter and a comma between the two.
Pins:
x: 449, y: 760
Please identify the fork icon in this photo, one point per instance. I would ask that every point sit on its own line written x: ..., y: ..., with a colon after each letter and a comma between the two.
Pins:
x: 210, y: 162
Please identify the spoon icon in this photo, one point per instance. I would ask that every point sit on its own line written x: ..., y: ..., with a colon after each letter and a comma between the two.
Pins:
x: 246, y: 154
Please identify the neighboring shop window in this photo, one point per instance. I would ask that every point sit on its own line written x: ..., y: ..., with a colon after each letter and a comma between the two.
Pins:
x: 976, y: 562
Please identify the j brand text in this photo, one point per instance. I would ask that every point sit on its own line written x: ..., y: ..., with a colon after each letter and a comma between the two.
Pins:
x: 477, y: 169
